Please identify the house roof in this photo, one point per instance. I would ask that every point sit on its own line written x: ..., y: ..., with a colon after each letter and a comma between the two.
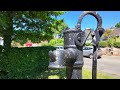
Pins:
x: 89, y: 37
x: 116, y: 31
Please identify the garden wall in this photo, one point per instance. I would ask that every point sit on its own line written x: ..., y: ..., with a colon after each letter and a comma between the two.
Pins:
x: 111, y: 51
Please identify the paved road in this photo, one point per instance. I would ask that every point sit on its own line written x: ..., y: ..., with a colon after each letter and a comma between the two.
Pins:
x: 108, y: 64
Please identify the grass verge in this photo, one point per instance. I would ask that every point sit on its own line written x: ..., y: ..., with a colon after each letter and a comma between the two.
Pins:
x: 61, y: 74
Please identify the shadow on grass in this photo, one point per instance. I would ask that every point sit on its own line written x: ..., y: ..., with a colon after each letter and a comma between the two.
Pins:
x: 53, y: 74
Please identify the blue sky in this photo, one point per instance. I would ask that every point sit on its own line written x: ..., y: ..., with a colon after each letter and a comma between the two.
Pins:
x: 109, y: 19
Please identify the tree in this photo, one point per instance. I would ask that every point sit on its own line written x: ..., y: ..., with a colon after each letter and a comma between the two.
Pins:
x: 58, y: 27
x: 31, y: 21
x: 117, y: 25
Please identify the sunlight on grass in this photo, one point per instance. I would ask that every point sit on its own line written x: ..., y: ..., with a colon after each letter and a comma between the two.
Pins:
x: 61, y: 74
x: 53, y: 77
x: 104, y: 76
x: 87, y: 74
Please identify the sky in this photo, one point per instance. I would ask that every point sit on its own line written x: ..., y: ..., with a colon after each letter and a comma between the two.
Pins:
x: 109, y: 19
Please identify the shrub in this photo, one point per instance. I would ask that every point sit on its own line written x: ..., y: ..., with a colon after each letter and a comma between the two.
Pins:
x: 103, y: 44
x: 56, y: 42
x: 118, y: 39
x: 117, y: 44
x: 23, y: 63
x: 111, y: 42
x: 88, y: 44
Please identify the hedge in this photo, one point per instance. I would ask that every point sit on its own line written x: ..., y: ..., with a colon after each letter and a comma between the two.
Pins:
x: 103, y: 44
x: 23, y: 63
x: 55, y: 42
x: 116, y: 44
x: 109, y: 44
x: 88, y: 44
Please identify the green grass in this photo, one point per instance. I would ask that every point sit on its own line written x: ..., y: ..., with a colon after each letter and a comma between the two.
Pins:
x: 87, y: 74
x: 61, y: 74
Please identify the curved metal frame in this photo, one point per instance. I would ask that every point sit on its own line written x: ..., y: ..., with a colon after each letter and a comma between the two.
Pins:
x: 93, y: 13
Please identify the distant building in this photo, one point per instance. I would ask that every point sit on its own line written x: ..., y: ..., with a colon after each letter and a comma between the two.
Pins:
x: 89, y: 39
x: 57, y: 36
x: 1, y: 41
x: 116, y: 32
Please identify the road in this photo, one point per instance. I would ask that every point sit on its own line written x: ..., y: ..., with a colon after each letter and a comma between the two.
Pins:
x: 108, y: 64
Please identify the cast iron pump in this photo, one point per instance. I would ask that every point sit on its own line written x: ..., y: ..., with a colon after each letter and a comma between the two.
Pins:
x: 74, y: 40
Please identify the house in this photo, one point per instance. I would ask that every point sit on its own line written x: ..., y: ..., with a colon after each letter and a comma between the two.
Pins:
x: 58, y: 36
x: 116, y: 32
x: 89, y: 39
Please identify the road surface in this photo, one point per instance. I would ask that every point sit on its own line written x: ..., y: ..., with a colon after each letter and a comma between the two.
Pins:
x: 108, y: 64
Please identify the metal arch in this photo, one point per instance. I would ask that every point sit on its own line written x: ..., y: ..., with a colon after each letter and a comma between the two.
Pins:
x: 93, y: 13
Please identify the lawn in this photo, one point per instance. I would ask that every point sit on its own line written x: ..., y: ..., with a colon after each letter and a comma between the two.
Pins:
x: 60, y: 74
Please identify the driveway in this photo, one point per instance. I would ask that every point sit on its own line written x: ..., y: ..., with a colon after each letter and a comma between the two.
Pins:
x: 108, y: 64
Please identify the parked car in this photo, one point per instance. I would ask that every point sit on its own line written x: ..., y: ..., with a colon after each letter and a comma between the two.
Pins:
x: 88, y: 52
x: 57, y: 58
x: 59, y: 47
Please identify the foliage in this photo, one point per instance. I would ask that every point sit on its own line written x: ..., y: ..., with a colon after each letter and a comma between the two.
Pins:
x: 55, y: 42
x: 107, y: 34
x: 23, y: 63
x: 103, y: 44
x: 88, y: 44
x: 113, y: 41
x: 117, y: 44
x: 58, y: 26
x: 29, y: 35
x: 117, y: 25
x: 117, y: 39
x: 110, y: 42
x: 15, y: 44
x: 40, y: 22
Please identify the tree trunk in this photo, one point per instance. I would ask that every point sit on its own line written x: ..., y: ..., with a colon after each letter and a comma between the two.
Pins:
x: 7, y: 38
x: 9, y: 31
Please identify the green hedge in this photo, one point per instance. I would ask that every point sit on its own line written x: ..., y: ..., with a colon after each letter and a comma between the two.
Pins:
x: 109, y: 44
x: 103, y: 44
x: 88, y: 44
x: 23, y: 63
x: 117, y: 44
x: 55, y: 42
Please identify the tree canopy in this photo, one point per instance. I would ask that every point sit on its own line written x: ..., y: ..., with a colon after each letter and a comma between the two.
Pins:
x: 21, y: 25
x: 117, y: 25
